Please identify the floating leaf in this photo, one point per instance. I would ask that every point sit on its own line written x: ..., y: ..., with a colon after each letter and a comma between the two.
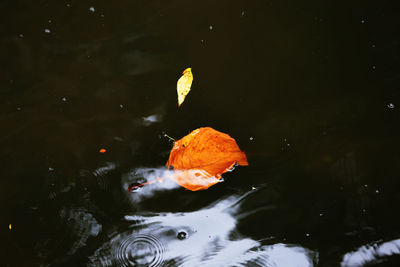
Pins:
x: 184, y: 84
x: 200, y: 158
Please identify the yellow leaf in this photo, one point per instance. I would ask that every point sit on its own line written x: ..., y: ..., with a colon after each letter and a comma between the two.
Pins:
x: 184, y: 84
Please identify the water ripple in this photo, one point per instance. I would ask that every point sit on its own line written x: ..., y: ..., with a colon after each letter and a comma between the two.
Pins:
x: 140, y: 250
x: 134, y: 249
x: 205, y: 237
x: 82, y: 224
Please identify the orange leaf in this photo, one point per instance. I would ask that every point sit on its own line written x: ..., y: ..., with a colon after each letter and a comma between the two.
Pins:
x: 200, y: 158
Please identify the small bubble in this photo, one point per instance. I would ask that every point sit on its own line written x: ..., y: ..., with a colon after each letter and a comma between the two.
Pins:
x: 242, y: 13
x: 373, y: 67
x: 51, y: 169
x: 182, y: 235
x: 202, y: 40
x: 364, y: 210
x: 321, y: 214
x: 362, y: 21
x: 377, y: 191
x: 91, y: 9
x: 64, y: 99
x: 390, y: 105
x: 49, y: 20
x: 211, y: 27
x: 121, y: 106
x: 47, y: 30
x: 288, y: 144
x: 21, y: 35
x: 68, y: 5
x: 18, y: 108
x: 373, y: 46
x: 307, y: 234
x: 365, y: 185
x: 251, y: 138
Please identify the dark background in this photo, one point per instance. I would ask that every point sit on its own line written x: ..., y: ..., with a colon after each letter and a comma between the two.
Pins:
x: 309, y: 90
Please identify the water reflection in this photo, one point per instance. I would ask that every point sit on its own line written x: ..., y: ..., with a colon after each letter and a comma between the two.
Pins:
x: 152, y: 179
x: 147, y: 121
x: 206, y: 237
x: 377, y: 252
x: 77, y: 228
x: 101, y: 175
x: 82, y: 224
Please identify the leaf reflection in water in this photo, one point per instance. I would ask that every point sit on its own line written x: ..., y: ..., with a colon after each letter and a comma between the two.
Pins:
x: 198, y: 238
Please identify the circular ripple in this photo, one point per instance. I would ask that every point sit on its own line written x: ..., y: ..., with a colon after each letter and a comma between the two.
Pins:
x: 140, y: 250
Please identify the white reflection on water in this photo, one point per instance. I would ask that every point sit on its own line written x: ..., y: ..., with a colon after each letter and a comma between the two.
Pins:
x: 158, y: 177
x: 372, y: 253
x: 143, y: 183
x: 206, y: 237
x: 149, y: 120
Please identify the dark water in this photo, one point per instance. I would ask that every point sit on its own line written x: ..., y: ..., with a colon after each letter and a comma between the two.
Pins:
x: 310, y: 91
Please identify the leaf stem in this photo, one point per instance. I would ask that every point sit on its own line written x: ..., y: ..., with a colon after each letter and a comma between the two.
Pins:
x: 166, y: 135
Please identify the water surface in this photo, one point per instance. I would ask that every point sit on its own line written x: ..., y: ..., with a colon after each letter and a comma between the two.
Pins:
x: 310, y: 91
